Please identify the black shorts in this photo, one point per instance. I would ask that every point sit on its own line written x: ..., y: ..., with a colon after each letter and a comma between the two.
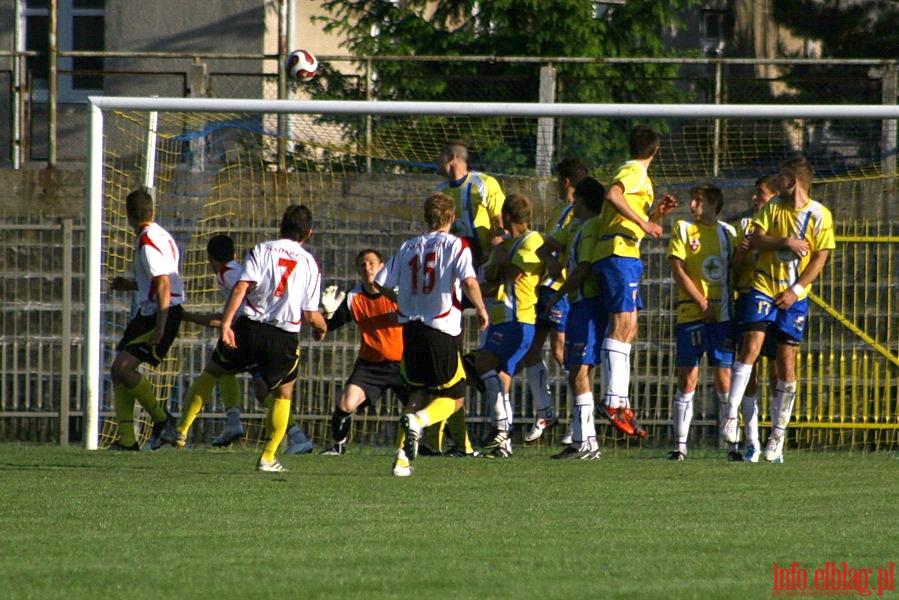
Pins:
x: 273, y: 351
x: 432, y: 359
x: 134, y: 340
x: 375, y: 378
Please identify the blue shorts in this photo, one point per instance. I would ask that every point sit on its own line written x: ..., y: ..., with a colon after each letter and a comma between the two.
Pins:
x: 619, y: 283
x: 698, y: 337
x: 759, y: 308
x: 585, y: 331
x: 555, y: 319
x: 509, y: 342
x: 769, y: 346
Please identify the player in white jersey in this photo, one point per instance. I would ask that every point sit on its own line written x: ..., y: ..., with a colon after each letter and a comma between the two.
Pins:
x: 151, y: 332
x: 794, y: 237
x: 431, y: 271
x: 279, y: 289
x: 700, y: 253
x: 221, y: 256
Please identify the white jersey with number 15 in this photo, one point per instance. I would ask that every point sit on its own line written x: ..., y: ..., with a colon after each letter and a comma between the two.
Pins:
x: 428, y: 270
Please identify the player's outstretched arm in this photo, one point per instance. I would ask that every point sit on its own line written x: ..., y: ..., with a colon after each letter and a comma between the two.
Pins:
x: 317, y: 321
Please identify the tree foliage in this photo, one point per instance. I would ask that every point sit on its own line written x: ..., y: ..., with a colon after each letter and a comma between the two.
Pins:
x: 515, y: 28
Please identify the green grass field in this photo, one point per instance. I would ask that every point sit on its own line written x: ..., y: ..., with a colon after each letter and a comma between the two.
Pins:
x: 203, y: 524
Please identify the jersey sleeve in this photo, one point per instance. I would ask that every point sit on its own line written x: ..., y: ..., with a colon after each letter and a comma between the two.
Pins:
x: 824, y: 239
x: 676, y: 246
x: 464, y: 261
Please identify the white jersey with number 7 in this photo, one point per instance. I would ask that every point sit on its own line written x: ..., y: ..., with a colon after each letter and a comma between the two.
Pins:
x: 428, y: 270
x: 287, y: 281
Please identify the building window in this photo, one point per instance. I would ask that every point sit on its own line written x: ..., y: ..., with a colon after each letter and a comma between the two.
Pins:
x: 80, y: 26
x: 712, y: 32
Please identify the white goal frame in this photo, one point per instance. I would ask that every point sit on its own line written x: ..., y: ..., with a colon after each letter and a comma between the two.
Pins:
x: 99, y: 104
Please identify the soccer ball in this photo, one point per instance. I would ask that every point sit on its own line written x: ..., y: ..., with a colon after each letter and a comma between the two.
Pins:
x: 301, y: 65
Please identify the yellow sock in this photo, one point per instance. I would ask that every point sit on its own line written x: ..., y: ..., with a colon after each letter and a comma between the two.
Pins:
x: 146, y: 396
x: 230, y: 390
x: 276, y: 421
x: 198, y: 394
x: 124, y: 414
x: 458, y: 430
x: 439, y: 409
x: 433, y: 436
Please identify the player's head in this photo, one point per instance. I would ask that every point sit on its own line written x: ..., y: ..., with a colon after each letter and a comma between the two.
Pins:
x: 644, y: 142
x: 221, y: 248
x: 766, y: 187
x: 368, y: 264
x: 796, y: 172
x: 296, y: 224
x: 703, y: 198
x: 568, y: 172
x: 139, y: 208
x: 440, y: 210
x: 589, y: 194
x: 516, y: 209
x: 455, y: 153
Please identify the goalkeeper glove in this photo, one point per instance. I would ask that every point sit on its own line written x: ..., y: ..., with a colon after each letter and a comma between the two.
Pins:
x: 331, y: 299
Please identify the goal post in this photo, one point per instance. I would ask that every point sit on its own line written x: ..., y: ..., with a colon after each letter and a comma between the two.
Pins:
x: 215, y: 169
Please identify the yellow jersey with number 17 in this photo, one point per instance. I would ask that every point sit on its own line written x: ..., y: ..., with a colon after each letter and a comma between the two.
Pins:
x: 776, y: 270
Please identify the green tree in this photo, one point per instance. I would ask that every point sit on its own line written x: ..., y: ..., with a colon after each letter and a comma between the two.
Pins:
x: 504, y: 28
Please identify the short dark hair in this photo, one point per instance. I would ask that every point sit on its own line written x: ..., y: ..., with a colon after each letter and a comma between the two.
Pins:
x: 221, y: 248
x: 707, y: 191
x: 772, y: 182
x: 644, y: 141
x: 296, y: 222
x: 592, y: 192
x: 362, y: 254
x: 572, y: 168
x: 139, y: 204
x: 518, y: 207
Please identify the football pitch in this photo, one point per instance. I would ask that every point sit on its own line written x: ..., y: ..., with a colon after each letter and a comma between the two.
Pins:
x: 204, y: 524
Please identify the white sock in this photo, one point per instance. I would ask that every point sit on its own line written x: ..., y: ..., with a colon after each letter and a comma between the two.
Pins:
x: 507, y: 407
x: 495, y: 401
x: 424, y: 419
x: 616, y: 360
x: 749, y: 407
x: 232, y: 416
x: 583, y: 408
x: 683, y: 414
x: 785, y: 396
x: 723, y: 409
x: 539, y: 386
x: 739, y: 379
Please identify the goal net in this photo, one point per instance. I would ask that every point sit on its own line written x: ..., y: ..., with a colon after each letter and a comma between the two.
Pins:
x: 364, y: 169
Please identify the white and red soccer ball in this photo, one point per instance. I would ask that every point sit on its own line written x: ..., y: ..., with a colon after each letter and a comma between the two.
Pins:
x: 301, y: 65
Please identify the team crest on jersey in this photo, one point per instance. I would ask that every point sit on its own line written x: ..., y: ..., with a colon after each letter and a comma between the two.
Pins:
x: 712, y: 269
x: 694, y: 245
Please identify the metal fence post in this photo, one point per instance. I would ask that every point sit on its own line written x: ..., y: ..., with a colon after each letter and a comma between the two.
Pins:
x: 65, y: 354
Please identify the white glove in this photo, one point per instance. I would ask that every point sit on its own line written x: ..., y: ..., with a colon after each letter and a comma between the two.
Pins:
x: 331, y: 299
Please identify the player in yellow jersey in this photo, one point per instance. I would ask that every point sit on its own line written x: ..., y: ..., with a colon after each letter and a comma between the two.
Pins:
x: 627, y: 217
x: 700, y: 252
x: 512, y: 275
x: 478, y: 198
x: 766, y: 188
x: 551, y: 323
x: 586, y: 323
x: 794, y: 237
